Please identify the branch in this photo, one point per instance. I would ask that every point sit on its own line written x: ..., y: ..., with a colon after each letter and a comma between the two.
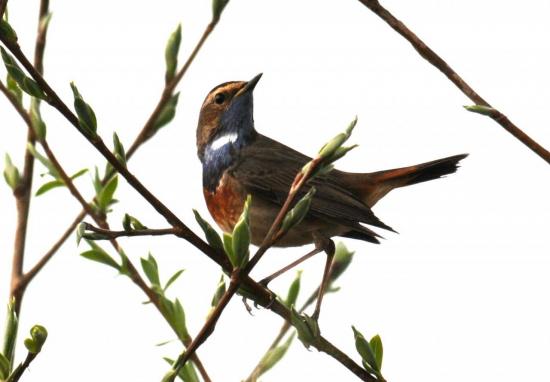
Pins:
x: 19, y: 370
x: 105, y: 234
x: 262, y: 295
x: 433, y: 58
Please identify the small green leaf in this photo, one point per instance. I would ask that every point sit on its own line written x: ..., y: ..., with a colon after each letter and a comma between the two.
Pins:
x: 241, y: 237
x: 5, y: 367
x: 39, y: 334
x: 45, y: 161
x: 342, y: 259
x: 329, y: 149
x: 38, y: 124
x: 307, y: 328
x: 81, y: 229
x: 27, y: 84
x: 179, y: 321
x: 171, y: 53
x: 96, y: 181
x: 481, y: 109
x: 105, y: 196
x: 48, y: 186
x: 293, y: 290
x: 151, y: 270
x: 377, y: 349
x: 10, y: 334
x: 86, y: 116
x: 100, y: 257
x: 166, y: 115
x: 187, y: 373
x: 11, y: 173
x: 14, y: 88
x: 173, y: 278
x: 7, y: 32
x: 79, y: 173
x: 130, y: 223
x: 119, y: 151
x: 217, y: 8
x: 364, y: 349
x: 298, y: 212
x: 228, y: 247
x: 273, y: 356
x: 210, y: 233
x: 220, y: 291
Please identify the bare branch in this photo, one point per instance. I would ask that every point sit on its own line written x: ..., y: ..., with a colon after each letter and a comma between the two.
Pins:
x: 433, y: 58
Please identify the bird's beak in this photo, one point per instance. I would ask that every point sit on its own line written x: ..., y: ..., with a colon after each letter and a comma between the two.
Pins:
x: 250, y: 85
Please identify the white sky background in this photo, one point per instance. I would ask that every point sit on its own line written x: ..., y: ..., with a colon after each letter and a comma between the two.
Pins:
x: 460, y: 294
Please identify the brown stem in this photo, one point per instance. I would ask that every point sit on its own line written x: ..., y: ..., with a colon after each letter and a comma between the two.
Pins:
x: 433, y: 58
x: 262, y: 295
x: 19, y: 370
x: 105, y: 234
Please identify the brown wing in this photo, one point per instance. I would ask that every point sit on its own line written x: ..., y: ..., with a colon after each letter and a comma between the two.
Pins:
x: 269, y: 167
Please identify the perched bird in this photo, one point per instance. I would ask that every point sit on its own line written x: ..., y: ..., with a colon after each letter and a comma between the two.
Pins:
x: 237, y: 161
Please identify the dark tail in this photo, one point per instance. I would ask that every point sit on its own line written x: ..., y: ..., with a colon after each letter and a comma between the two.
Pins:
x: 375, y: 185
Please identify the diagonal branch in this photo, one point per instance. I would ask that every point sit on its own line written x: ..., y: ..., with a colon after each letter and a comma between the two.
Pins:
x: 433, y: 58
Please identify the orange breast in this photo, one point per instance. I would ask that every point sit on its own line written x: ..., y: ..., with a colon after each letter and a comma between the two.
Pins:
x: 226, y: 203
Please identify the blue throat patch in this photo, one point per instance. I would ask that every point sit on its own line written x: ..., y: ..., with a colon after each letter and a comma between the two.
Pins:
x: 235, y: 132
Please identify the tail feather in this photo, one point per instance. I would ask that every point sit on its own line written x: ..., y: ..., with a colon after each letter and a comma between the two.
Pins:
x: 376, y: 185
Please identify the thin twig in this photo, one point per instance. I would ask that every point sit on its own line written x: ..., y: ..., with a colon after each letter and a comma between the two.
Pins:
x: 19, y: 370
x: 23, y: 190
x: 105, y: 234
x: 262, y: 295
x: 433, y: 58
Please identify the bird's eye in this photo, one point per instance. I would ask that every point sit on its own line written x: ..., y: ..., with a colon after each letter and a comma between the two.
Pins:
x: 219, y: 98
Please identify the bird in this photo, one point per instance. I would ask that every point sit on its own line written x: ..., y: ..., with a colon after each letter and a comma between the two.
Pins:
x: 238, y: 161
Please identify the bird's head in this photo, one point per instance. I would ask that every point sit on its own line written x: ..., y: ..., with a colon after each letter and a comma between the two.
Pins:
x: 226, y: 115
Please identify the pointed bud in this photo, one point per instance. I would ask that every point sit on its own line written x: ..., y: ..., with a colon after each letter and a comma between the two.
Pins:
x: 342, y: 259
x: 329, y: 149
x: 7, y: 32
x: 241, y: 236
x: 299, y: 212
x: 273, y: 356
x: 119, y: 151
x: 86, y: 116
x: 210, y: 233
x: 307, y: 327
x: 171, y: 53
x: 10, y: 335
x: 11, y: 173
x: 38, y: 124
x: 481, y: 109
x: 364, y: 349
x: 166, y: 115
x: 27, y: 84
x: 217, y: 8
x: 293, y: 290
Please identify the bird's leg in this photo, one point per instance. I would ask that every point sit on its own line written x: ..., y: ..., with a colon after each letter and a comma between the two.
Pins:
x: 270, y: 278
x: 328, y: 246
